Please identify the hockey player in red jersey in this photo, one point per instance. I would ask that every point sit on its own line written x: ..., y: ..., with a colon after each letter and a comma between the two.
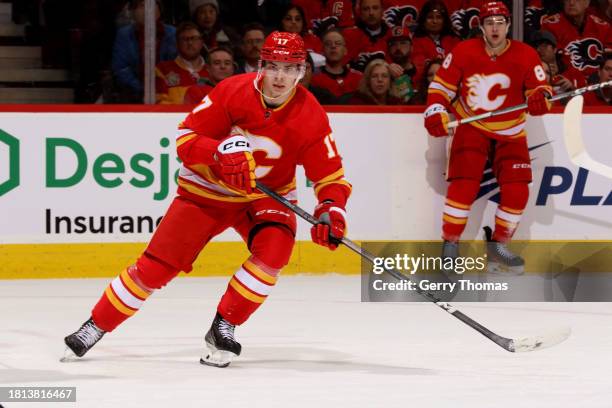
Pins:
x: 482, y: 75
x: 256, y: 126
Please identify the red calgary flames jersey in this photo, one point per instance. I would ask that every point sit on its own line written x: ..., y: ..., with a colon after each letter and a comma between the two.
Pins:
x: 582, y: 50
x: 474, y: 83
x: 321, y: 16
x: 402, y: 13
x: 296, y: 132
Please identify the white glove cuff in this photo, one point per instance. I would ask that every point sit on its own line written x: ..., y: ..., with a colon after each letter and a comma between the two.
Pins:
x: 234, y: 144
x: 435, y: 108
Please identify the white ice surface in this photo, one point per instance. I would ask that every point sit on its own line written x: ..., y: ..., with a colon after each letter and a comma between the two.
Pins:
x: 313, y: 344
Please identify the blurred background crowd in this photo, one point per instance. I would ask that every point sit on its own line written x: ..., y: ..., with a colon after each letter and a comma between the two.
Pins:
x: 361, y: 52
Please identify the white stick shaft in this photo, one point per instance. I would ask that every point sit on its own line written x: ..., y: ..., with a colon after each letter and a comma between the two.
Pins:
x: 569, y: 94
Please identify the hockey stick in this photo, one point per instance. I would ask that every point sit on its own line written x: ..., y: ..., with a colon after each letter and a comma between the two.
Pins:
x: 515, y: 345
x: 574, y: 142
x: 569, y: 94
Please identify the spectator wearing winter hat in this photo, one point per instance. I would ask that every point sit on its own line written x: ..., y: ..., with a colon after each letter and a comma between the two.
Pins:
x: 205, y: 13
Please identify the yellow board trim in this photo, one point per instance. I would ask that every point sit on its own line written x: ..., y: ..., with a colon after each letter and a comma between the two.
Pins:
x: 75, y: 261
x: 245, y: 293
x: 117, y: 303
x: 133, y: 286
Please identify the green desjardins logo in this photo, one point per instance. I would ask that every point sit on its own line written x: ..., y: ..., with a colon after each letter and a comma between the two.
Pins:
x: 11, y: 144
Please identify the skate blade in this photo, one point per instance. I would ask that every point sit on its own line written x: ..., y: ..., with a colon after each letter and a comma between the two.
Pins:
x: 217, y: 358
x: 68, y: 356
x: 495, y: 268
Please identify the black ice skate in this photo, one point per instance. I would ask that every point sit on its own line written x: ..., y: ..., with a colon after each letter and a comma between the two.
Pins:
x: 501, y: 260
x: 221, y: 345
x: 82, y: 340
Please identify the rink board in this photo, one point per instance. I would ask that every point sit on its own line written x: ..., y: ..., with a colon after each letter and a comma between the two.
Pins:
x: 64, y: 173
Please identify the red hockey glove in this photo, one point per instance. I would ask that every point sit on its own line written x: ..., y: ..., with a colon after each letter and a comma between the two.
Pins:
x: 237, y: 163
x: 436, y: 120
x: 537, y: 103
x: 332, y: 224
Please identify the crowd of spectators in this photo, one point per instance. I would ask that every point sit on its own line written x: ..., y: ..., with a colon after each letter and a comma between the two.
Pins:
x: 372, y: 52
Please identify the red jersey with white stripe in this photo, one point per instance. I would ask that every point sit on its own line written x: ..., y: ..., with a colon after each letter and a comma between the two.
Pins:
x: 582, y: 49
x: 295, y: 133
x: 473, y: 82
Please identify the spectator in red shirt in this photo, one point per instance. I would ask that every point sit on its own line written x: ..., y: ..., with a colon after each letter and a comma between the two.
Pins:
x: 293, y: 21
x: 172, y: 78
x: 434, y: 36
x: 603, y: 96
x: 367, y: 41
x: 375, y: 86
x: 336, y: 76
x: 220, y: 65
x: 582, y: 37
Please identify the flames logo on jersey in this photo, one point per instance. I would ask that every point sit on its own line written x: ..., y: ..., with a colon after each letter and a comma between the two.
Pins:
x: 480, y: 87
x: 321, y: 25
x: 463, y: 20
x: 364, y: 58
x: 534, y: 17
x: 584, y: 53
x: 401, y: 16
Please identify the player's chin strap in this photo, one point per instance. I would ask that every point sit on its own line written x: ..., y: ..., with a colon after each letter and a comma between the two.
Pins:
x: 271, y: 99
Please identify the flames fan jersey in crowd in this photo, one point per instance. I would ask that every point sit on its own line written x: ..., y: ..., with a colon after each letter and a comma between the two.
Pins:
x: 172, y: 78
x: 402, y: 13
x: 582, y: 50
x: 474, y: 83
x: 323, y: 15
x: 363, y: 47
x: 296, y: 132
x: 464, y: 16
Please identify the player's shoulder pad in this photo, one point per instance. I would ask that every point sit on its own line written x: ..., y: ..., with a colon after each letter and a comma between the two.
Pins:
x: 552, y: 19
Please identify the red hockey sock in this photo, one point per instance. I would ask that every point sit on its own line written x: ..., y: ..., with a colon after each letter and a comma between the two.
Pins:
x: 127, y: 292
x: 121, y: 299
x: 514, y: 197
x: 459, y: 198
x: 254, y: 280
